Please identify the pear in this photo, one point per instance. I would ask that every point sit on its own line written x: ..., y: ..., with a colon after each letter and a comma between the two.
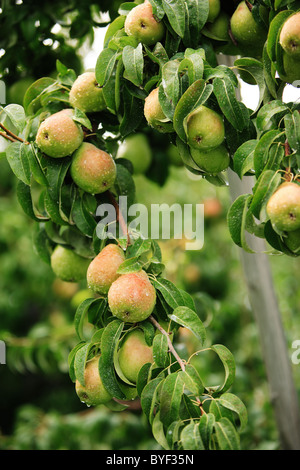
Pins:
x: 218, y: 29
x: 249, y: 35
x: 68, y: 265
x: 205, y: 129
x: 142, y: 25
x: 212, y: 161
x: 136, y: 149
x: 214, y: 10
x: 93, y: 169
x: 132, y: 297
x: 283, y: 207
x: 86, y: 94
x: 133, y: 354
x: 290, y: 36
x: 59, y: 135
x: 154, y: 114
x: 93, y: 392
x: 102, y: 271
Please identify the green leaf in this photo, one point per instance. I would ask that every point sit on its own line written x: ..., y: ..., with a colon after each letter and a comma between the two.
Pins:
x: 227, y: 436
x: 33, y: 95
x: 237, y: 218
x: 227, y: 360
x: 158, y: 432
x: 187, y: 318
x: 25, y: 200
x: 265, y: 117
x: 105, y: 65
x: 80, y: 117
x: 133, y: 61
x: 80, y: 315
x: 261, y: 153
x: 80, y: 362
x: 265, y: 186
x: 18, y: 155
x: 292, y: 129
x: 149, y: 397
x: 196, y: 14
x: 206, y: 427
x: 109, y: 342
x: 16, y: 114
x: 243, y: 159
x: 170, y: 398
x: 255, y: 68
x: 191, y: 438
x: 274, y: 32
x: 82, y: 216
x: 175, y: 11
x: 230, y: 106
x: 192, y: 380
x: 133, y: 113
x: 233, y: 403
x: 160, y: 350
x: 112, y: 29
x: 170, y: 292
x: 41, y: 243
x: 124, y: 184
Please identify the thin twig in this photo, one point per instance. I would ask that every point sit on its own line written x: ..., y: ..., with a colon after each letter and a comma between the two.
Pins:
x: 120, y: 217
x: 171, y: 347
x: 11, y: 134
x: 3, y: 134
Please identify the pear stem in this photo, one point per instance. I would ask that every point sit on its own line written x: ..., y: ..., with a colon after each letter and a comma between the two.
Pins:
x: 171, y: 347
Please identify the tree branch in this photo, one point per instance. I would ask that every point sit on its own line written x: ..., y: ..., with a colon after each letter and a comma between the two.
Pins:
x: 171, y: 347
x: 12, y: 135
x: 120, y: 217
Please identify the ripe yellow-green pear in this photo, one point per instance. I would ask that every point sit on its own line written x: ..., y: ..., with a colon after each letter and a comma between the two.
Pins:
x: 214, y: 10
x: 283, y: 207
x: 59, y: 135
x: 212, y: 161
x: 292, y: 69
x: 141, y: 24
x: 86, y: 94
x: 249, y: 35
x: 92, y: 169
x: 205, y: 129
x: 133, y: 354
x: 136, y: 149
x: 68, y: 265
x: 292, y: 240
x: 154, y: 114
x: 290, y: 36
x: 132, y: 298
x: 93, y: 392
x: 102, y: 271
x: 218, y: 29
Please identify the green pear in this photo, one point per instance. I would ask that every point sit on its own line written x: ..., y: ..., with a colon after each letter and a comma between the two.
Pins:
x: 212, y: 161
x: 142, y: 25
x: 93, y: 169
x: 93, y: 392
x: 292, y: 241
x: 86, y: 94
x: 17, y: 90
x: 68, y: 265
x: 283, y: 207
x: 59, y: 135
x: 102, y: 271
x: 136, y: 149
x: 214, y: 10
x: 290, y: 36
x: 154, y: 114
x: 205, y: 129
x: 249, y: 35
x: 133, y: 354
x: 132, y: 297
x: 174, y: 155
x: 218, y: 29
x: 292, y: 69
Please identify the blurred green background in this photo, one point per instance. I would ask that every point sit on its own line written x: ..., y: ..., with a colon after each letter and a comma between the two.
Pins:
x: 39, y: 408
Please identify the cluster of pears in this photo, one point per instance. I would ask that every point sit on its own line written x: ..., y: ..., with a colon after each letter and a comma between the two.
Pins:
x: 132, y: 354
x: 131, y: 297
x: 60, y: 135
x: 283, y: 209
